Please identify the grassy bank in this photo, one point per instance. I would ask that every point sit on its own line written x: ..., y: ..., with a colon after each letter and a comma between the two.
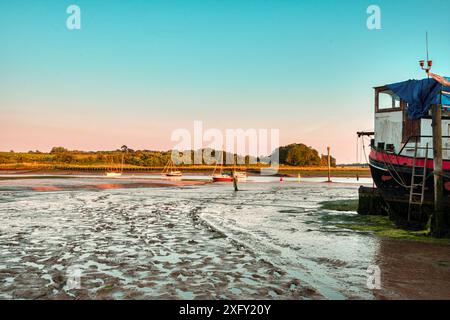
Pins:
x: 379, y: 225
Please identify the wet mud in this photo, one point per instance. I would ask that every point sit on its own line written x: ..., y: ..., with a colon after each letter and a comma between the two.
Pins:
x: 268, y: 241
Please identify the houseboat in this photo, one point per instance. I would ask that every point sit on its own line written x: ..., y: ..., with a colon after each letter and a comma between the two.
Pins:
x: 401, y: 157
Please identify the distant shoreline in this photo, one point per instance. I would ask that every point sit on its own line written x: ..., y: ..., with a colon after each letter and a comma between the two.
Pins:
x: 287, y: 171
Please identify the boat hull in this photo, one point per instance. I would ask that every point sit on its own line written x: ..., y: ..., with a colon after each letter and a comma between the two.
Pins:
x: 113, y: 174
x: 392, y: 176
x: 173, y: 174
x: 222, y: 179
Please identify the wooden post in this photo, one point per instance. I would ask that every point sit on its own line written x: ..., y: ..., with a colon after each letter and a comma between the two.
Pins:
x: 438, y: 225
x: 329, y: 164
x: 235, y: 182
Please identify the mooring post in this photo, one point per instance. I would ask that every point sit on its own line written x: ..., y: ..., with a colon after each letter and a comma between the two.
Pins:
x: 235, y: 182
x: 438, y: 226
x: 329, y: 164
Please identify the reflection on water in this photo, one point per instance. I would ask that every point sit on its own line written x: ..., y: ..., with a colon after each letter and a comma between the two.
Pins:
x: 270, y: 240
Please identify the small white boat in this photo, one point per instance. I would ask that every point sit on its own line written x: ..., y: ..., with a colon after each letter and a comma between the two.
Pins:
x: 174, y: 174
x: 171, y: 171
x: 113, y: 174
x: 241, y: 176
x: 219, y: 176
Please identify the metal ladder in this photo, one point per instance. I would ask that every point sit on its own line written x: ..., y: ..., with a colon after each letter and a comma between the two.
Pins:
x: 416, y: 198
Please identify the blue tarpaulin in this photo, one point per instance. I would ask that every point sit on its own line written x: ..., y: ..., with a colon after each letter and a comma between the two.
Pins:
x: 420, y: 95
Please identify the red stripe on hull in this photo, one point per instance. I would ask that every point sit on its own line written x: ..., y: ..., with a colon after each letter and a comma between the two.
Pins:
x: 404, y: 161
x: 223, y: 179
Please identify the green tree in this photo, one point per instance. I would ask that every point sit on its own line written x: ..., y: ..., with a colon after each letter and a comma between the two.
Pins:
x: 64, y: 157
x: 56, y: 150
x: 299, y: 155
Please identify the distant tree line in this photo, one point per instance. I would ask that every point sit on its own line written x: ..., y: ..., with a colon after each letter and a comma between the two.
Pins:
x: 293, y: 155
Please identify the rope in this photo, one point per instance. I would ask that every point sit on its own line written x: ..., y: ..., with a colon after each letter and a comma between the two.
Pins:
x: 442, y: 175
x: 389, y: 166
x: 392, y: 170
x: 364, y: 150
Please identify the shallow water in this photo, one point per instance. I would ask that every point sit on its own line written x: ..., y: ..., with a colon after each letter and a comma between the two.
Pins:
x: 270, y: 240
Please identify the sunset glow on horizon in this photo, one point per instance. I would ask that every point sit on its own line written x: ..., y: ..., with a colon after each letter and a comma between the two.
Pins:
x: 138, y: 70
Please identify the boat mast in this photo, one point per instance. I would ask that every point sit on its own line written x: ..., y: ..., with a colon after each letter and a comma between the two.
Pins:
x: 124, y: 150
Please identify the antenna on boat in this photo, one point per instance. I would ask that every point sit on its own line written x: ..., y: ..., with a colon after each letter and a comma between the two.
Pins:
x: 429, y: 63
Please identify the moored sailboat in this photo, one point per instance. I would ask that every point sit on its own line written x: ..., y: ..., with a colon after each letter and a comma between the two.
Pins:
x: 171, y: 171
x: 225, y: 177
x: 115, y: 172
x: 220, y: 176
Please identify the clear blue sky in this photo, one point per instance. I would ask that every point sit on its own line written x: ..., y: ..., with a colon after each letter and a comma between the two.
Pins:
x: 139, y: 69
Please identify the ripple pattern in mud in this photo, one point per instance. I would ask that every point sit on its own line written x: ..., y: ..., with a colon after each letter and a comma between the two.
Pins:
x: 127, y: 245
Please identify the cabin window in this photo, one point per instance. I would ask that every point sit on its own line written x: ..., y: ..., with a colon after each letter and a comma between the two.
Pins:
x: 386, y: 101
x: 410, y: 128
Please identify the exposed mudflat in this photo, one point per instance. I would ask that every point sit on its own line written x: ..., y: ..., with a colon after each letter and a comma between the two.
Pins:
x: 67, y: 239
x: 414, y: 270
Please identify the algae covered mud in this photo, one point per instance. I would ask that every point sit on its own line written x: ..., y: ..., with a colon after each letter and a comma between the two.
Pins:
x: 144, y: 238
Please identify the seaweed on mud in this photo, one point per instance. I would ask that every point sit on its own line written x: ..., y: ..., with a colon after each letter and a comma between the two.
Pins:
x: 341, y: 219
x: 380, y: 226
x: 340, y: 205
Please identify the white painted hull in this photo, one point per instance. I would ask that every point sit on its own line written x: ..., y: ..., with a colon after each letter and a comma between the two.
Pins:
x: 113, y: 174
